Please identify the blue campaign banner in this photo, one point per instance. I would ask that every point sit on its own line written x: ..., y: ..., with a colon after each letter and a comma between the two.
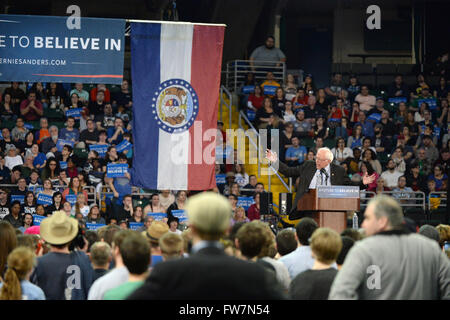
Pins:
x: 397, y: 100
x: 61, y: 143
x: 18, y: 197
x: 135, y: 225
x: 100, y: 148
x: 63, y: 165
x: 116, y: 170
x: 336, y: 192
x: 94, y: 226
x: 431, y: 103
x: 44, y: 199
x: 375, y: 116
x: 28, y: 126
x: 1, y: 136
x: 158, y: 216
x: 75, y: 112
x: 270, y: 90
x: 248, y: 89
x: 35, y: 189
x: 71, y: 198
x: 61, y: 49
x: 334, y: 120
x: 220, y: 178
x: 124, y: 145
x: 37, y: 219
x: 180, y: 214
x: 437, y: 131
x: 251, y: 115
x: 245, y: 202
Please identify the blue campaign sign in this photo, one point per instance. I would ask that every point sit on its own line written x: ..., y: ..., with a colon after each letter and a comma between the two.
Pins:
x: 431, y: 103
x: 375, y: 116
x: 116, y: 170
x: 94, y: 226
x: 124, y: 145
x: 180, y: 214
x: 100, y: 148
x: 63, y: 165
x: 49, y: 49
x: 135, y: 225
x: 245, y: 202
x: 28, y: 126
x: 251, y: 115
x: 158, y: 216
x: 334, y: 120
x: 44, y: 199
x: 75, y: 112
x: 437, y: 131
x: 18, y: 197
x: 270, y: 90
x: 35, y: 189
x: 337, y: 192
x: 37, y: 219
x: 397, y: 100
x: 61, y: 143
x: 220, y: 178
x: 248, y: 89
x: 71, y: 198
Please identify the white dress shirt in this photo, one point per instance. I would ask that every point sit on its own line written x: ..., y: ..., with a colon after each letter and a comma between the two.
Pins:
x: 317, y: 179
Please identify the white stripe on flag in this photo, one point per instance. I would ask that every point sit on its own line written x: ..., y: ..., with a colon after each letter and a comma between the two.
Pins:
x: 176, y: 53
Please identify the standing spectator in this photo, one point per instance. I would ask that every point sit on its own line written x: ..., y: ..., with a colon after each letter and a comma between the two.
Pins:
x: 172, y: 246
x: 391, y: 175
x: 117, y: 276
x: 267, y: 55
x: 286, y: 241
x: 123, y: 97
x: 398, y: 88
x: 366, y: 101
x: 347, y: 244
x: 55, y: 272
x: 100, y: 256
x: 254, y: 210
x: 425, y: 268
x: 16, y: 284
x: 301, y: 260
x: 31, y: 109
x: 135, y: 256
x: 336, y: 85
x: 154, y: 232
x: 209, y: 215
x: 315, y: 284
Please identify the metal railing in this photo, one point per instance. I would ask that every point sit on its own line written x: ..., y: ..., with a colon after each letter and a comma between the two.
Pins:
x: 406, y: 199
x: 229, y: 105
x: 442, y: 197
x: 236, y: 72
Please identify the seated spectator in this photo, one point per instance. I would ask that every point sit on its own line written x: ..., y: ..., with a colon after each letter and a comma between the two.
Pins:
x: 366, y: 167
x: 367, y: 126
x: 254, y: 210
x: 239, y: 216
x: 355, y: 140
x: 123, y: 97
x: 263, y: 114
x: 391, y: 175
x: 6, y: 108
x: 354, y: 87
x: 80, y: 206
x: 439, y: 176
x: 347, y: 244
x: 134, y: 250
x: 138, y: 215
x: 56, y: 96
x: 57, y: 204
x: 256, y: 99
x: 31, y: 109
x: 397, y: 156
x: 414, y: 179
x: 384, y: 218
x: 296, y: 154
x: 336, y: 85
x: 315, y: 284
x: 12, y: 158
x: 39, y: 159
x: 51, y: 170
x: 389, y: 128
x: 375, y: 113
x: 15, y: 215
x: 427, y: 131
x: 286, y: 139
x: 71, y: 169
x: 321, y: 129
x: 101, y: 257
x: 29, y: 203
x: 338, y: 111
x: 366, y: 101
x: 398, y: 88
x: 290, y: 87
x: 4, y: 203
x: 431, y: 151
x: 313, y: 110
x: 43, y: 131
x: 73, y: 103
x: 286, y: 241
x: 21, y: 189
x: 100, y: 88
x: 83, y: 95
x: 49, y: 144
x: 402, y: 192
x: 318, y: 143
x: 279, y: 100
x: 48, y: 188
x: 155, y: 204
x: 252, y: 181
x: 105, y: 119
x: 425, y: 163
x: 267, y: 54
x: 241, y: 177
x: 166, y: 198
x: 300, y: 100
x: 370, y: 156
x: 74, y: 189
x: 288, y: 113
x: 19, y: 131
x: 425, y: 96
x: 70, y: 133
x: 367, y: 145
x: 179, y: 203
x: 269, y: 85
x: 341, y: 152
x: 28, y: 166
x: 302, y: 127
x: 17, y: 95
x: 173, y: 224
x: 16, y: 284
x: 401, y: 114
x: 115, y: 134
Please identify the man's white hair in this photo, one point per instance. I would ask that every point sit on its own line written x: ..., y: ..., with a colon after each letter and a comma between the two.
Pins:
x: 328, y: 153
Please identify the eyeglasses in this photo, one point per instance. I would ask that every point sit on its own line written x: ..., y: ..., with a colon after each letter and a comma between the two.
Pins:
x: 318, y: 159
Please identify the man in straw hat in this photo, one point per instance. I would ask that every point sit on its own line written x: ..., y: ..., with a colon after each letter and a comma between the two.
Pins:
x: 156, y: 230
x: 208, y: 273
x: 62, y: 274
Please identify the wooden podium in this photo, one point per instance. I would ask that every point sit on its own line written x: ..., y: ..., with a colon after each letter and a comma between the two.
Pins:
x: 329, y: 205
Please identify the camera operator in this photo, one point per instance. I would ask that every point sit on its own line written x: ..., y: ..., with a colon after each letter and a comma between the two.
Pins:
x: 65, y: 273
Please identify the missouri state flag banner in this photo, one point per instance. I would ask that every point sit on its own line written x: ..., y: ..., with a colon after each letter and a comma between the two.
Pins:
x: 175, y: 70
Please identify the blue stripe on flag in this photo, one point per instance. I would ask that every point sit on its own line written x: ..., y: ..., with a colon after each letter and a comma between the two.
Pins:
x: 145, y: 70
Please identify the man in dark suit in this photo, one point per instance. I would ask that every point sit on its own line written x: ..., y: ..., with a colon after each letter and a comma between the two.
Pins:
x: 208, y: 273
x: 316, y: 173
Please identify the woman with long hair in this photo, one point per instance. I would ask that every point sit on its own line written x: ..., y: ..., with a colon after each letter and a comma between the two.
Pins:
x: 94, y: 215
x: 40, y: 210
x: 366, y: 167
x: 29, y: 203
x: 154, y: 205
x: 80, y: 206
x: 321, y: 129
x: 138, y: 215
x: 341, y: 152
x: 290, y: 87
x: 254, y: 210
x: 240, y: 176
x: 16, y: 284
x: 279, y: 101
x: 74, y: 188
x: 57, y: 203
x: 288, y: 112
x: 28, y: 142
x: 263, y: 114
x: 239, y: 216
x: 48, y: 188
x: 371, y: 157
x: 401, y: 114
x: 8, y: 241
x: 322, y: 101
x: 255, y: 100
x: 355, y: 140
x: 51, y: 170
x: 6, y: 108
x: 179, y: 204
x: 412, y: 125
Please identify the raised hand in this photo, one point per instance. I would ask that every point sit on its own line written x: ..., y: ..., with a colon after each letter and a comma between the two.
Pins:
x: 368, y: 179
x: 271, y: 155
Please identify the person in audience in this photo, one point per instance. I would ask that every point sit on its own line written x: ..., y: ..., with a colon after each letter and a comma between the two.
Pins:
x: 254, y: 210
x: 16, y: 284
x: 290, y: 86
x: 31, y: 109
x: 262, y: 118
x: 402, y: 192
x: 135, y: 255
x: 383, y: 224
x: 155, y: 204
x: 439, y: 176
x: 398, y: 88
x: 56, y: 96
x: 341, y: 152
x: 255, y: 99
x: 267, y: 55
x: 300, y: 100
x: 286, y: 242
x: 105, y: 119
x: 354, y: 87
x: 19, y: 132
x: 371, y: 157
x: 49, y: 144
x: 101, y: 257
x: 15, y: 216
x: 173, y: 225
x: 355, y: 140
x: 302, y: 127
x: 29, y: 203
x: 172, y: 246
x: 239, y: 216
x: 347, y: 244
x: 13, y: 158
x: 179, y: 203
x: 366, y: 101
x: 6, y: 108
x: 391, y: 175
x: 70, y: 133
x: 296, y: 154
x: 425, y: 163
x: 336, y: 85
x: 82, y: 94
x: 315, y: 284
x: 138, y: 215
x: 51, y: 171
x: 90, y: 135
x: 57, y: 203
x: 240, y: 177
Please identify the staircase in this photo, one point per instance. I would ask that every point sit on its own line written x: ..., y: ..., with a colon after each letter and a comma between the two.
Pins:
x: 276, y: 186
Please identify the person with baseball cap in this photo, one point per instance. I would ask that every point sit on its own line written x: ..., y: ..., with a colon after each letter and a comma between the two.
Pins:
x: 208, y: 273
x: 62, y: 274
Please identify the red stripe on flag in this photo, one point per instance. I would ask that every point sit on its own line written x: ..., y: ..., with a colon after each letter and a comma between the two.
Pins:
x: 207, y: 45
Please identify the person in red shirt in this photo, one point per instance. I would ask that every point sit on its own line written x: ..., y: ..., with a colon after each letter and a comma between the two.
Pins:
x: 31, y: 109
x: 100, y: 87
x: 338, y: 111
x: 300, y: 99
x: 255, y: 100
x: 254, y: 210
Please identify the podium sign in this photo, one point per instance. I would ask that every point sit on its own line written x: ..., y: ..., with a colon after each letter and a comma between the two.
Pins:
x: 337, y: 192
